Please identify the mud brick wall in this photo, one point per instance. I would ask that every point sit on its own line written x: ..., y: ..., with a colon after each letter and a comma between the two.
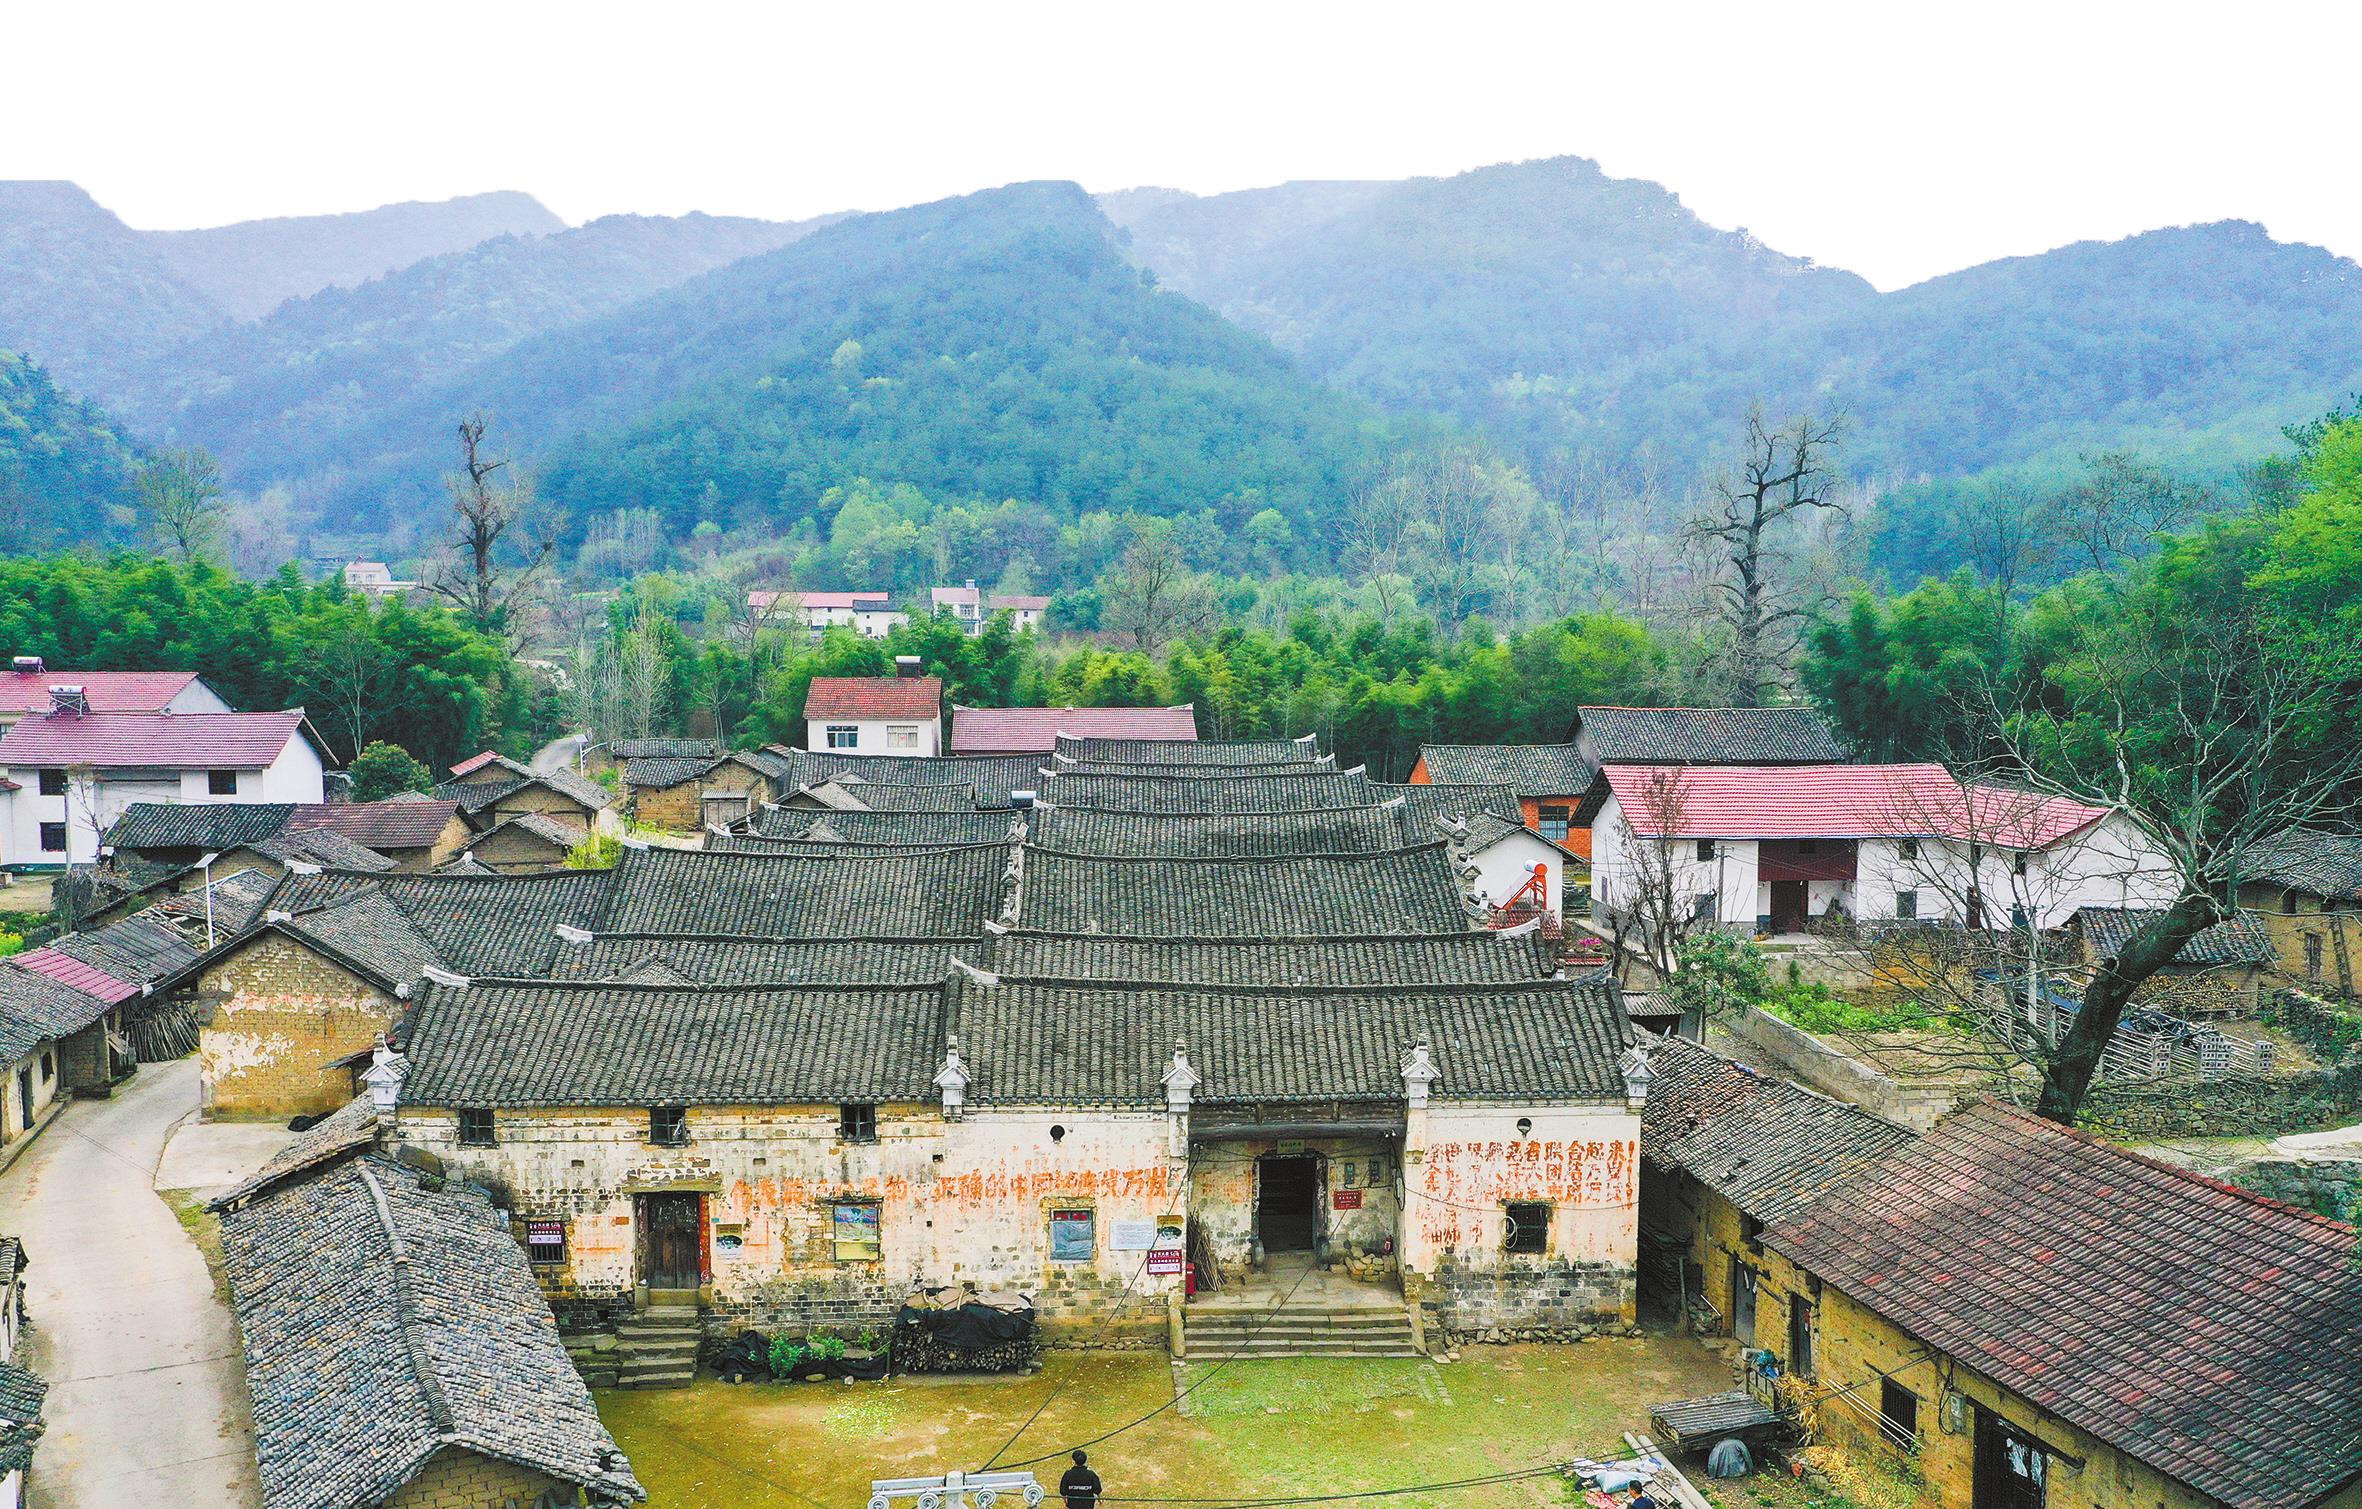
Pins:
x: 282, y: 1015
x: 457, y: 1479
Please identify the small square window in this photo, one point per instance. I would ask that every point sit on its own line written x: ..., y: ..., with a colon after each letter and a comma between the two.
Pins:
x: 1908, y: 848
x: 1906, y: 906
x: 668, y: 1126
x: 53, y: 783
x: 1553, y: 822
x: 855, y: 1229
x: 221, y: 783
x: 1705, y: 848
x: 1701, y: 906
x: 1072, y: 1236
x: 53, y: 838
x: 545, y: 1240
x: 902, y: 738
x: 1898, y: 1413
x: 1527, y: 1229
x: 857, y: 1123
x: 475, y: 1129
x: 843, y: 736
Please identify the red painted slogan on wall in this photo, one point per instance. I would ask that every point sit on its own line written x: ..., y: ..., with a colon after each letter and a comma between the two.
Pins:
x: 979, y: 1187
x: 1591, y: 1175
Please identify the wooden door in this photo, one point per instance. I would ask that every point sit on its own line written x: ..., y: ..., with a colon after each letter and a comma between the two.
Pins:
x: 1742, y: 1302
x: 24, y: 1096
x: 1787, y: 903
x: 673, y: 1227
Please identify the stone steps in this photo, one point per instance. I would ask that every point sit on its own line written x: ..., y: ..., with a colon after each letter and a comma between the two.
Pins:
x: 1299, y: 1332
x: 657, y: 1347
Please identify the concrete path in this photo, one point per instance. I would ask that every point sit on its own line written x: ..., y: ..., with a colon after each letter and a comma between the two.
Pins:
x: 210, y: 1156
x: 559, y: 754
x: 147, y: 1399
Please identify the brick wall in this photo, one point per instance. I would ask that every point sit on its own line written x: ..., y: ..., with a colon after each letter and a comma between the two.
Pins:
x: 460, y: 1479
x: 84, y: 1060
x: 680, y: 808
x: 515, y: 851
x: 281, y: 1017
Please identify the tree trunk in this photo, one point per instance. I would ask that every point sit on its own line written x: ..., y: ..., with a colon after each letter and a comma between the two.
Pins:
x: 2076, y: 1060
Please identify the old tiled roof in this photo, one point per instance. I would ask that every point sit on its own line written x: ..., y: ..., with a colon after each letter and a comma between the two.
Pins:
x: 557, y: 832
x: 1411, y: 890
x: 548, y: 1044
x: 1532, y: 770
x: 77, y: 974
x: 12, y: 1261
x: 2210, y: 1333
x: 1218, y: 835
x: 35, y: 1007
x: 1260, y: 792
x: 368, y: 933
x: 105, y: 691
x: 319, y: 846
x: 1769, y: 1147
x: 465, y: 864
x: 993, y: 776
x: 1425, y: 805
x: 237, y: 902
x: 1044, y: 1042
x: 479, y: 761
x: 698, y: 960
x: 350, y: 1129
x: 2237, y: 939
x: 197, y: 825
x: 471, y: 925
x: 935, y: 893
x: 878, y: 796
x: 474, y: 796
x: 171, y: 741
x: 1062, y: 765
x: 1832, y: 801
x: 1035, y: 730
x: 655, y: 772
x: 21, y: 1394
x: 390, y: 826
x: 1454, y: 958
x: 1195, y: 752
x: 940, y: 829
x: 384, y: 1321
x: 140, y: 949
x: 666, y: 749
x: 1709, y: 736
x: 2312, y: 860
x: 868, y: 697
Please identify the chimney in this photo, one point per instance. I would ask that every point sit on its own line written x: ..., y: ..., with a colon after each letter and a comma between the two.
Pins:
x: 28, y: 665
x: 909, y: 666
x: 971, y: 584
x: 1023, y: 800
x: 68, y: 699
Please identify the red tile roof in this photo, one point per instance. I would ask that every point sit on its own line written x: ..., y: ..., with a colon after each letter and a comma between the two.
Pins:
x: 2210, y: 1333
x: 1035, y: 730
x: 400, y: 823
x: 69, y: 971
x: 176, y: 741
x: 108, y: 691
x: 874, y: 697
x: 1833, y: 801
x: 475, y: 762
x: 861, y: 600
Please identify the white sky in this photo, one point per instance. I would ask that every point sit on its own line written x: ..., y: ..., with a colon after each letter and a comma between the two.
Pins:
x: 1898, y: 139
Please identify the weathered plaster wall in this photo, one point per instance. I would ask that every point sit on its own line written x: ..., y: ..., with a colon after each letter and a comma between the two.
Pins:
x: 281, y: 1016
x: 1464, y: 1164
x: 1224, y: 1182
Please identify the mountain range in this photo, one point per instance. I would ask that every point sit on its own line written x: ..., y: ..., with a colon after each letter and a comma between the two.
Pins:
x: 1149, y: 350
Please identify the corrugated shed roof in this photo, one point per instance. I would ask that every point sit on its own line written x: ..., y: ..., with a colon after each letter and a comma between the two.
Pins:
x: 1709, y: 736
x: 168, y: 741
x: 384, y: 1321
x: 1035, y: 730
x: 2208, y: 1332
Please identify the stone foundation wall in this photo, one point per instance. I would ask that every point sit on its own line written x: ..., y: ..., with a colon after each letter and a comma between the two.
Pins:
x: 1558, y: 1302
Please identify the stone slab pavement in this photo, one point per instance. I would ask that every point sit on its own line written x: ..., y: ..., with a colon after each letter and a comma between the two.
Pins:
x: 147, y: 1398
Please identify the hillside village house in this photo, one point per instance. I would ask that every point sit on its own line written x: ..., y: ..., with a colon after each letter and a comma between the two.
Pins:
x: 376, y: 579
x: 872, y: 615
x: 2306, y: 893
x: 68, y: 773
x: 2044, y: 1320
x: 26, y: 688
x: 1769, y: 848
x: 1549, y: 780
x: 898, y: 715
x: 1035, y: 730
x: 975, y: 609
x: 2221, y: 972
x: 489, y: 789
x: 685, y: 785
x: 167, y: 840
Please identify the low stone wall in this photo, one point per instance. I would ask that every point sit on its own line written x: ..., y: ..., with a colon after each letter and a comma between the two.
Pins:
x: 1559, y: 1303
x: 2229, y: 1107
x: 1831, y: 1070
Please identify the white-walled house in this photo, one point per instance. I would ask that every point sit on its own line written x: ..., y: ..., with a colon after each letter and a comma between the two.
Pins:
x: 889, y: 715
x: 1770, y: 848
x: 1504, y: 858
x: 872, y: 615
x: 65, y: 776
x: 975, y: 608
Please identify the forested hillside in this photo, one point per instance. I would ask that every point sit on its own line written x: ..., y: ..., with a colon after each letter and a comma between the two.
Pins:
x: 63, y: 463
x: 1563, y: 309
x: 85, y: 295
x: 291, y: 395
x: 249, y: 268
x: 993, y: 346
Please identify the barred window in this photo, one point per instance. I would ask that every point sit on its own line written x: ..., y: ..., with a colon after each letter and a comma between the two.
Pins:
x: 668, y: 1126
x: 1527, y: 1229
x: 475, y: 1128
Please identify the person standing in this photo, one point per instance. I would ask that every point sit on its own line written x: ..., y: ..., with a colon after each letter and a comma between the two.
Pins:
x: 1079, y: 1485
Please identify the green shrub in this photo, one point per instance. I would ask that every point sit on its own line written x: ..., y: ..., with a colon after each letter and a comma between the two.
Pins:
x: 786, y: 1352
x: 828, y: 1348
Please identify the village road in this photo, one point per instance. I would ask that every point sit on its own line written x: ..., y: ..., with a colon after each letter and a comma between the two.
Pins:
x: 147, y: 1398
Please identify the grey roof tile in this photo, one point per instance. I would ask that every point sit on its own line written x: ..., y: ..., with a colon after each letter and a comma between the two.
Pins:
x: 384, y: 1321
x: 1408, y: 890
x: 938, y: 829
x: 1376, y: 960
x: 936, y: 893
x: 1708, y: 736
x: 2315, y: 861
x: 33, y: 1007
x: 992, y: 776
x: 1224, y: 835
x: 140, y: 949
x: 1531, y: 770
x: 1427, y: 805
x: 197, y: 825
x: 22, y: 1392
x: 350, y: 1129
x: 706, y: 960
x: 1259, y: 792
x: 1189, y: 752
x: 2237, y: 939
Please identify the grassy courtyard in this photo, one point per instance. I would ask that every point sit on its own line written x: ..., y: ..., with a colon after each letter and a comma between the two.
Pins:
x: 1253, y: 1429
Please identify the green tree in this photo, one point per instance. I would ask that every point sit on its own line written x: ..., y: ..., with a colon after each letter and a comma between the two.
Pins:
x: 384, y: 770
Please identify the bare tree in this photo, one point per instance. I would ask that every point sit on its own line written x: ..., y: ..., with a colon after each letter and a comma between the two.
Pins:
x: 495, y: 553
x: 2008, y: 532
x: 2116, y: 513
x: 1154, y: 597
x: 181, y: 496
x: 349, y: 667
x: 1784, y: 474
x: 1668, y: 892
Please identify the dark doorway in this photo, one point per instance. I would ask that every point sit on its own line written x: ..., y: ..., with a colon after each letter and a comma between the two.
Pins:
x: 1742, y: 1302
x: 1787, y: 913
x: 2010, y: 1466
x: 1287, y: 1202
x: 24, y: 1096
x: 669, y: 1253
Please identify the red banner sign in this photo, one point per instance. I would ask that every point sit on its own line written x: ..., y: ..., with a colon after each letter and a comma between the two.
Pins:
x: 1346, y: 1199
